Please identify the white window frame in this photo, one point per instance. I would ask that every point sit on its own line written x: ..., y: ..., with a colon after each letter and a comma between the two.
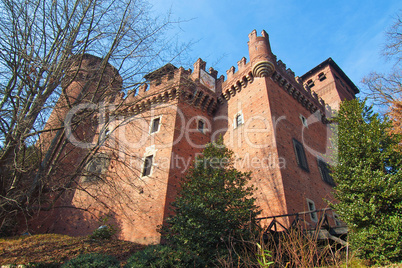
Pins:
x: 235, y: 125
x: 151, y: 167
x: 313, y: 216
x: 152, y: 124
x: 203, y: 130
x: 303, y: 120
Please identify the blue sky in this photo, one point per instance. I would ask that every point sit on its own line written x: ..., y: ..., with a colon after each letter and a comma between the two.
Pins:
x: 302, y: 33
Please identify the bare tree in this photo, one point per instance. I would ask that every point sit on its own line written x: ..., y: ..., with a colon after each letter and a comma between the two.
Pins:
x: 386, y: 89
x: 42, y: 47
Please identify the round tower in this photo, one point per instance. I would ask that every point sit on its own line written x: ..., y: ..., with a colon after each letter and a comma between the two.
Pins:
x: 90, y: 79
x: 261, y: 57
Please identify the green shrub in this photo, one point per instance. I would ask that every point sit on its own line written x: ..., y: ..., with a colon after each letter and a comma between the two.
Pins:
x: 42, y: 265
x: 157, y: 256
x: 94, y: 260
x: 103, y: 232
x: 213, y: 223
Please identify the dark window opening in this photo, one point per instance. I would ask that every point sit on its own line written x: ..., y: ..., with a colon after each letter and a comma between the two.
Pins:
x: 325, y: 172
x: 300, y: 155
x: 170, y: 75
x: 147, y: 165
x: 321, y: 76
x: 310, y: 83
x: 239, y: 120
x: 158, y: 81
x: 155, y: 125
x: 304, y: 121
x: 201, y: 126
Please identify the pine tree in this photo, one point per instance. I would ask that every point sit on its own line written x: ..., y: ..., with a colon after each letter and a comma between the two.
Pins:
x: 369, y: 182
x: 215, y: 209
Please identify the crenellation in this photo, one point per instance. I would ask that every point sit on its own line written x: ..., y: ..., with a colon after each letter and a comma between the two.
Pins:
x: 281, y: 65
x: 230, y: 72
x: 213, y: 72
x: 241, y: 64
x: 290, y: 72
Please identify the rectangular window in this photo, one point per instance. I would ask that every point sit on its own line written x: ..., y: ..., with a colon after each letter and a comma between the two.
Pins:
x: 322, y: 76
x: 310, y: 83
x: 325, y: 172
x: 155, y: 125
x: 300, y: 155
x: 239, y: 120
x: 311, y: 207
x: 170, y: 75
x: 201, y: 126
x: 146, y: 171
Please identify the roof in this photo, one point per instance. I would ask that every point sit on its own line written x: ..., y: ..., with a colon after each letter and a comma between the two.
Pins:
x: 168, y: 68
x: 338, y: 69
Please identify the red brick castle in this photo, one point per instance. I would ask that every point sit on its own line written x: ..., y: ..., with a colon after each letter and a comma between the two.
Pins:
x: 276, y: 124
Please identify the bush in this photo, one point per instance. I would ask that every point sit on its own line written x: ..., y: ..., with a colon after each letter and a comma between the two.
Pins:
x: 103, y: 232
x: 162, y: 256
x: 94, y: 260
x: 213, y: 223
x: 42, y: 265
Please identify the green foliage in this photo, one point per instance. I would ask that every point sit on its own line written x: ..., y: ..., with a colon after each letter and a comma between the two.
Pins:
x: 42, y: 265
x: 103, y: 232
x: 262, y: 257
x: 162, y: 256
x: 93, y: 260
x: 214, y: 209
x: 369, y: 186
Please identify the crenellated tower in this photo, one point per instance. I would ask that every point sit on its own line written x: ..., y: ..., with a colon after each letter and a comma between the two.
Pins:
x: 261, y: 57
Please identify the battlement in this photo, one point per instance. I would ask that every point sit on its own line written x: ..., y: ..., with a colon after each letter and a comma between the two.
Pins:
x: 170, y: 83
x: 265, y: 64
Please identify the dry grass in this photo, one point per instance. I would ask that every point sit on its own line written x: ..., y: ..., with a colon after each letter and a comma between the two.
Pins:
x: 53, y: 248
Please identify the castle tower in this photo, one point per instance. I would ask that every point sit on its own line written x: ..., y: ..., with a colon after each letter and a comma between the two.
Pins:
x: 64, y: 143
x: 330, y: 82
x: 89, y: 80
x: 261, y: 57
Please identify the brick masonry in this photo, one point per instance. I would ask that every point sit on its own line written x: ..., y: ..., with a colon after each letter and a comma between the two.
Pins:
x: 275, y: 108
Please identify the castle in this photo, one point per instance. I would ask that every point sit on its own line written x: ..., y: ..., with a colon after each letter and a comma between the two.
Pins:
x: 135, y: 148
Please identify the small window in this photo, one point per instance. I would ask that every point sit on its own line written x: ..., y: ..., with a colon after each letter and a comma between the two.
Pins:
x: 311, y: 207
x: 155, y: 125
x: 304, y: 121
x: 146, y: 171
x: 321, y: 76
x: 96, y: 168
x: 201, y: 126
x: 310, y: 83
x: 158, y: 81
x: 170, y: 75
x: 300, y: 155
x: 239, y: 120
x: 325, y: 172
